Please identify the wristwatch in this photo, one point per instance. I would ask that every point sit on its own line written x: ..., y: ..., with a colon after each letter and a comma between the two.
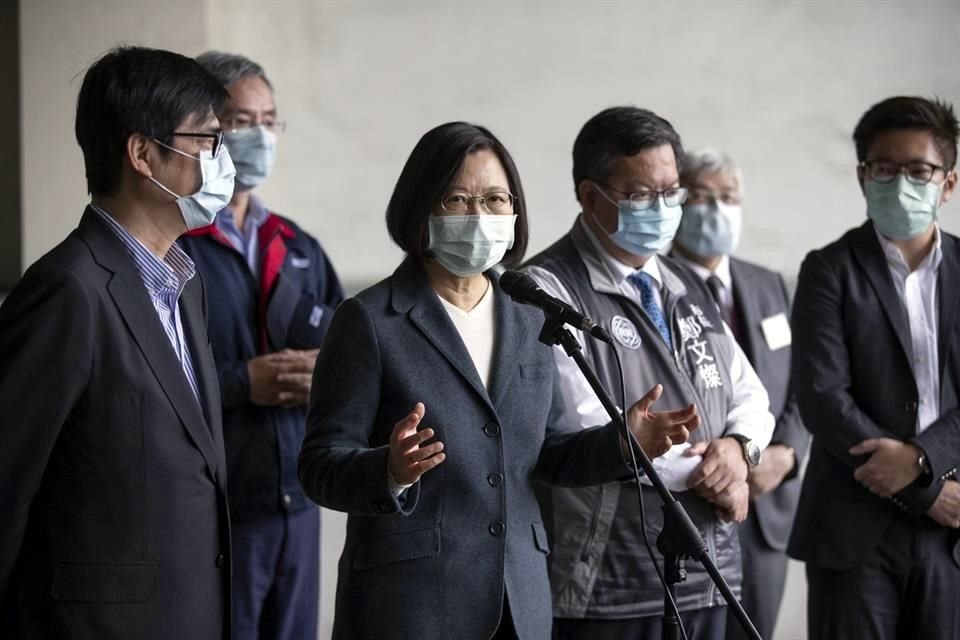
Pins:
x: 751, y: 451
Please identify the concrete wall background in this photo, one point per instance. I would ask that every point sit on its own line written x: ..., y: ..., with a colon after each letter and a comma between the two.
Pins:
x: 779, y: 85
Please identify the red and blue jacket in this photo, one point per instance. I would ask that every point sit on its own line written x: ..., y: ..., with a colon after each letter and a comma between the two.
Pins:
x: 289, y: 305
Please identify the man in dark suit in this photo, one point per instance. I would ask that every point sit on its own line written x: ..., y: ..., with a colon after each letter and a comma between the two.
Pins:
x: 112, y: 472
x: 755, y: 305
x: 876, y: 365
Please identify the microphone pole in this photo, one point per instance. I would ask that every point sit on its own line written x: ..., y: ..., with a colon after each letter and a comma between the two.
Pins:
x: 679, y: 536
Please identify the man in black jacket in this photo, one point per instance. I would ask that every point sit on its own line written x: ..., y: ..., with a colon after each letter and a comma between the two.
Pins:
x: 112, y: 472
x: 875, y: 368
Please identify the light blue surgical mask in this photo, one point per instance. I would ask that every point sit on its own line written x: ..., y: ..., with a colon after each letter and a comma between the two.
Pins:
x: 468, y: 245
x: 216, y: 188
x: 643, y: 232
x: 253, y: 151
x: 710, y: 229
x: 901, y: 209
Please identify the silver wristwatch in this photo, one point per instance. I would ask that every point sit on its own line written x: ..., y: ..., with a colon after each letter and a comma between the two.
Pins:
x: 751, y: 451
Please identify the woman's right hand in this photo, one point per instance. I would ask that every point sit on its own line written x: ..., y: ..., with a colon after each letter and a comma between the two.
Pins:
x: 408, y: 460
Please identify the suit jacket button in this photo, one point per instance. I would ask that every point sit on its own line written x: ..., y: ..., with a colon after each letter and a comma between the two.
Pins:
x: 492, y: 429
x: 495, y: 479
x: 497, y: 528
x: 221, y: 561
x: 287, y: 500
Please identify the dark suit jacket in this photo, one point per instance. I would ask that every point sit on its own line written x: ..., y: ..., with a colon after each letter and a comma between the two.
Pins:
x: 111, y: 474
x: 853, y: 379
x: 434, y: 565
x: 759, y: 294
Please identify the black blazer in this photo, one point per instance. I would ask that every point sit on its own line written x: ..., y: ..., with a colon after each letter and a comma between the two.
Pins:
x: 853, y: 378
x: 435, y: 564
x: 760, y: 294
x: 112, y: 476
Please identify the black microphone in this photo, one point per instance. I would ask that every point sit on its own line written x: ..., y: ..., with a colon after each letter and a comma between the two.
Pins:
x: 524, y: 290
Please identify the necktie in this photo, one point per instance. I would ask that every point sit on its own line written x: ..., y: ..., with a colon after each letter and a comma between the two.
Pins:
x: 644, y: 283
x: 729, y: 314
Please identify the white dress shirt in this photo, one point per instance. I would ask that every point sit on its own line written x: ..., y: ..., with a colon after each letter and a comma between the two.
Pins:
x: 723, y: 274
x: 918, y: 296
x: 749, y: 413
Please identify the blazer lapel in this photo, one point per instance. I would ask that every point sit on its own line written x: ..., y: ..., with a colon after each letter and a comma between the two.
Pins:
x: 413, y: 294
x: 511, y: 333
x: 869, y: 253
x: 948, y: 294
x: 133, y: 302
x: 745, y: 308
x: 204, y: 367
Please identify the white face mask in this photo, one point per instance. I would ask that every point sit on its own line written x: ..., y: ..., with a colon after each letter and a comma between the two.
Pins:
x: 217, y: 175
x: 253, y: 151
x: 468, y: 245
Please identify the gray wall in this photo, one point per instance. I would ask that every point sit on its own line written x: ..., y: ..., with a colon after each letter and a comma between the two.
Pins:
x: 779, y: 85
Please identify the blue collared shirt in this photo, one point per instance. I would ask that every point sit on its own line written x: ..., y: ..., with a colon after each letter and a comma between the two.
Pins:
x: 164, y: 281
x: 246, y: 240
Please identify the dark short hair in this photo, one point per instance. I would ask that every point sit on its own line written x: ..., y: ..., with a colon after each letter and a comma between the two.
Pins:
x: 908, y: 112
x: 617, y: 132
x: 428, y: 174
x: 137, y: 90
x: 227, y: 68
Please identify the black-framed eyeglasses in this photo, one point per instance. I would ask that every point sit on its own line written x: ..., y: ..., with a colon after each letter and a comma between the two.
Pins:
x: 885, y: 171
x: 673, y: 197
x: 216, y: 137
x: 497, y: 201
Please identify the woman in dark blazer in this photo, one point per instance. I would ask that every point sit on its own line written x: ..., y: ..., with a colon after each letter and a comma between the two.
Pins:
x: 435, y: 408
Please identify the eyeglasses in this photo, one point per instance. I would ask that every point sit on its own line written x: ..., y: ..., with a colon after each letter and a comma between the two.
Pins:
x: 216, y: 137
x: 885, y: 171
x: 458, y: 202
x: 243, y: 121
x: 702, y: 196
x: 673, y: 197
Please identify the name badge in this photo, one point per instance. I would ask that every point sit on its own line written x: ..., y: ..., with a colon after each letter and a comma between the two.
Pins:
x: 776, y: 331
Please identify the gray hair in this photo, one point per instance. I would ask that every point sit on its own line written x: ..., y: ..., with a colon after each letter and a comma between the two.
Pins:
x: 227, y: 68
x: 707, y: 161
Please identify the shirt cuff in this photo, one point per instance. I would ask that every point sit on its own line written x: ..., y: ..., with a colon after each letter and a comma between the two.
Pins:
x: 396, y: 489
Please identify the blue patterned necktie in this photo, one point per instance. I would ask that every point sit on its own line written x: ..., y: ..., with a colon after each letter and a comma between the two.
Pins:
x: 644, y: 282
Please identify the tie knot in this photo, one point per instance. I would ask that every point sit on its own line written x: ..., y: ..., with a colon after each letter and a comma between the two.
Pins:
x: 642, y: 280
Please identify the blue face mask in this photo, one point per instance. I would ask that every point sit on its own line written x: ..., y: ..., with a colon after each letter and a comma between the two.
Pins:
x: 253, y: 151
x: 643, y: 232
x: 710, y: 230
x: 901, y: 209
x: 468, y: 245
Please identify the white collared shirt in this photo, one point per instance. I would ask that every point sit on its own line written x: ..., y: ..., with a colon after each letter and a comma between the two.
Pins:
x: 918, y: 298
x: 749, y: 413
x: 723, y: 274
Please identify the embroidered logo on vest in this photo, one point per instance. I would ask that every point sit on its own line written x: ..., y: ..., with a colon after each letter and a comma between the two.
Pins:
x: 625, y: 332
x: 691, y: 327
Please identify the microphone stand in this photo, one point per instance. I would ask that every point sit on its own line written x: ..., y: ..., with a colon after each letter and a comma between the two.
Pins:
x: 679, y: 537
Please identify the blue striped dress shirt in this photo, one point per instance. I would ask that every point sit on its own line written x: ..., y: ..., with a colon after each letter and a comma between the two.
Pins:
x: 164, y: 280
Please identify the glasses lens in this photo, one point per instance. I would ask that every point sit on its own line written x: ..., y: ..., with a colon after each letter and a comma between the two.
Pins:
x: 919, y: 172
x: 643, y: 199
x: 217, y: 144
x: 675, y: 197
x: 456, y: 203
x: 883, y: 171
x: 498, y: 202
